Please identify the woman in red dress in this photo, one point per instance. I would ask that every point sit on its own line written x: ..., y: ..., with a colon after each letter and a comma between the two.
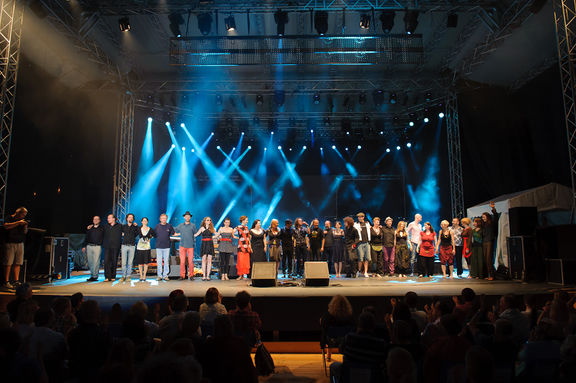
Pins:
x: 426, y: 248
x: 446, y: 249
x: 244, y: 248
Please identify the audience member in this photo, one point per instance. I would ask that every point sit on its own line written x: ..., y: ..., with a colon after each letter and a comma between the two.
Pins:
x: 23, y: 293
x: 419, y: 316
x: 211, y: 308
x: 169, y: 326
x: 465, y: 305
x: 64, y: 319
x: 246, y: 322
x: 400, y: 366
x: 509, y: 310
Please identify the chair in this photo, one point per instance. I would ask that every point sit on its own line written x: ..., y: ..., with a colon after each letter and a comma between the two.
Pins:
x: 333, y: 337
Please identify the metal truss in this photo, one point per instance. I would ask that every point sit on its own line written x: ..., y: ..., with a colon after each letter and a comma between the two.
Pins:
x: 454, y: 157
x: 565, y: 20
x: 147, y: 7
x: 11, y: 17
x: 123, y: 166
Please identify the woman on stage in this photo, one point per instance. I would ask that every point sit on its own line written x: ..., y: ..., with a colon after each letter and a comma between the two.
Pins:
x: 273, y: 234
x: 244, y: 248
x: 446, y: 249
x: 338, y: 248
x: 376, y: 234
x: 477, y: 266
x: 142, y: 256
x: 351, y: 238
x: 426, y: 248
x: 466, y: 242
x: 207, y: 246
x: 225, y: 247
x: 489, y: 234
x: 401, y: 250
x: 258, y: 240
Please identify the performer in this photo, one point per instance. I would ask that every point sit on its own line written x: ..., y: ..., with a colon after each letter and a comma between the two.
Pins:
x: 273, y: 234
x: 286, y: 235
x: 258, y: 241
x: 414, y: 229
x: 207, y: 247
x: 244, y: 248
x: 456, y: 231
x: 301, y: 245
x: 351, y: 239
x: 163, y: 232
x: 225, y: 247
x: 328, y: 243
x: 93, y: 247
x: 446, y: 249
x: 426, y: 248
x: 376, y: 234
x: 477, y: 266
x: 112, y: 242
x: 16, y: 228
x: 402, y: 250
x: 338, y: 248
x: 489, y: 233
x: 388, y: 236
x: 316, y: 237
x: 363, y: 247
x: 142, y: 256
x: 466, y: 242
x: 186, y: 231
x: 129, y: 234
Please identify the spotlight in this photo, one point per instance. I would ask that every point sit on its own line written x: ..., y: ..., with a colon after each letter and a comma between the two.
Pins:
x: 124, y: 24
x: 193, y: 150
x: 173, y: 146
x: 265, y: 149
x: 204, y: 23
x: 426, y: 119
x: 441, y: 115
x: 271, y: 133
x: 392, y: 99
x: 398, y: 147
x: 428, y: 96
x: 316, y: 98
x: 167, y: 123
x: 183, y: 148
x: 381, y: 132
x: 321, y: 149
x: 359, y: 147
x: 249, y: 147
x: 321, y: 22
x: 212, y: 133
x: 281, y: 19
x: 149, y: 119
x: 411, y: 123
x: 175, y: 20
x: 230, y: 23
x: 362, y: 98
x: 311, y: 130
x: 279, y: 147
x: 290, y: 149
x: 304, y: 147
x: 409, y: 145
x: 334, y: 147
x: 378, y: 96
x: 364, y: 21
x: 387, y: 150
x: 346, y: 148
x: 218, y: 147
x: 182, y: 125
x: 387, y: 20
x: 347, y: 133
x: 411, y: 21
x: 242, y: 133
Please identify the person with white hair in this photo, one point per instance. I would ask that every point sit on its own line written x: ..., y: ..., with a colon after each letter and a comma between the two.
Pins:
x: 414, y: 229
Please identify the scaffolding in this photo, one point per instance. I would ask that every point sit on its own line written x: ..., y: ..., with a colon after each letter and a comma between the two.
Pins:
x: 123, y: 160
x: 454, y: 156
x: 11, y: 16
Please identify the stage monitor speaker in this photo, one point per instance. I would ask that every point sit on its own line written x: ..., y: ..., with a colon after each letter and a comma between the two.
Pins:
x: 264, y: 274
x: 316, y: 274
x: 523, y: 220
x: 525, y: 263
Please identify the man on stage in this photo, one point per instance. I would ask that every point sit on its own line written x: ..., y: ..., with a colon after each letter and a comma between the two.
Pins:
x: 186, y: 232
x: 363, y: 248
x: 163, y: 232
x: 16, y: 228
x: 414, y: 229
x: 327, y: 244
x: 112, y: 243
x: 286, y: 234
x: 93, y: 247
x: 129, y: 233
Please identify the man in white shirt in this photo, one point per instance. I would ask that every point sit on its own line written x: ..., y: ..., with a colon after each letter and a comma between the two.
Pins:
x: 363, y: 248
x: 414, y: 229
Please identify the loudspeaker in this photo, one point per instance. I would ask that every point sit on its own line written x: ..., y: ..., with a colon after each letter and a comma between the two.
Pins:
x: 523, y: 220
x: 561, y: 271
x: 316, y: 274
x: 264, y: 274
x: 525, y: 263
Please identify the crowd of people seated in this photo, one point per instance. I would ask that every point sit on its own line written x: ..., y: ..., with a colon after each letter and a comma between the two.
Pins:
x: 73, y: 340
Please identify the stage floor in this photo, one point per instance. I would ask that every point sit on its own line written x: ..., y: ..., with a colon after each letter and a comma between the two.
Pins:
x: 288, y: 288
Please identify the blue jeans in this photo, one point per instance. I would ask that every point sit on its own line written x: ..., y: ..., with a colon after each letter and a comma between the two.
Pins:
x: 414, y: 259
x: 364, y: 252
x: 163, y: 258
x: 93, y: 254
x: 127, y: 259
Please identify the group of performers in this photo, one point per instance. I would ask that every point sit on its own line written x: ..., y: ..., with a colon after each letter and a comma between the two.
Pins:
x: 353, y: 248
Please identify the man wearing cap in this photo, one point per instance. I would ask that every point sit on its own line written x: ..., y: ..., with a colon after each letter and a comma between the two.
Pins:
x: 186, y: 232
x: 363, y: 248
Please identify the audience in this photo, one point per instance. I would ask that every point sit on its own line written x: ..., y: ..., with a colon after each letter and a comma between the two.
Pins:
x: 210, y: 309
x: 246, y: 322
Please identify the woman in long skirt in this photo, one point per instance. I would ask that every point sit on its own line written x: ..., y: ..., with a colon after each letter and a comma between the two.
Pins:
x: 274, y: 243
x: 401, y: 250
x: 244, y: 248
x: 338, y: 248
x: 477, y: 264
x: 207, y: 246
x: 258, y: 241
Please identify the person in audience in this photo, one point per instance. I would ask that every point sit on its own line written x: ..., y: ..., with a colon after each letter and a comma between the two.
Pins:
x: 119, y: 366
x: 531, y: 311
x: 15, y: 366
x: 227, y: 356
x: 400, y: 366
x: 168, y: 326
x: 465, y: 305
x: 339, y: 315
x: 509, y: 309
x: 140, y: 310
x: 49, y: 345
x: 168, y: 367
x: 190, y: 329
x: 25, y: 321
x: 76, y: 300
x: 64, y: 319
x: 212, y: 306
x: 114, y: 321
x: 403, y: 337
x: 23, y: 293
x: 435, y: 312
x: 246, y: 322
x: 502, y: 348
x: 479, y: 365
x: 419, y: 316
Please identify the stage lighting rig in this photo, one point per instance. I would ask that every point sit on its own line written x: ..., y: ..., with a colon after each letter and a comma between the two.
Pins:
x: 378, y: 96
x: 411, y: 21
x: 321, y: 22
x: 205, y: 23
x: 364, y: 21
x: 124, y: 24
x: 316, y: 98
x: 281, y: 19
x: 259, y: 99
x: 392, y: 98
x: 387, y: 20
x: 175, y: 20
x: 230, y: 23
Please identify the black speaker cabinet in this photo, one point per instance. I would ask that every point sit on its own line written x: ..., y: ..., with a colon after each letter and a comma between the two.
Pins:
x: 264, y: 274
x: 53, y: 262
x: 561, y: 271
x: 523, y: 220
x: 316, y: 274
x: 525, y: 263
x: 556, y: 242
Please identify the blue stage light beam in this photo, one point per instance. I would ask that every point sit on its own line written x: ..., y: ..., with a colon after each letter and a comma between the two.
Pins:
x: 273, y: 203
x: 234, y: 166
x: 147, y: 154
x: 294, y: 177
x: 333, y: 188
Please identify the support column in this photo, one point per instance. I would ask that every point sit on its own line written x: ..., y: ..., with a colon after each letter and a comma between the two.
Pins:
x: 454, y: 157
x: 123, y: 167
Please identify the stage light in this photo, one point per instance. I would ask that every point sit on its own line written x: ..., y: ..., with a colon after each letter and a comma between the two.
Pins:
x: 175, y: 20
x: 249, y: 147
x: 311, y: 130
x: 321, y: 149
x: 281, y: 19
x: 212, y: 133
x: 364, y: 21
x: 381, y: 132
x: 316, y: 98
x: 259, y: 99
x: 167, y: 123
x: 304, y: 147
x: 290, y: 149
x: 411, y: 123
x: 387, y: 150
x: 409, y: 145
x: 173, y: 146
x: 183, y: 148
x: 265, y: 149
x: 271, y: 133
x: 411, y: 21
x: 334, y: 147
x: 204, y: 23
x: 321, y: 22
x: 428, y: 96
x: 387, y: 20
x: 193, y: 150
x: 362, y: 98
x: 218, y: 147
x: 242, y: 133
x: 392, y: 98
x: 149, y: 119
x: 346, y: 148
x: 426, y: 119
x: 359, y: 147
x: 124, y: 24
x: 347, y: 133
x: 279, y: 147
x: 398, y: 147
x: 230, y: 23
x: 441, y: 115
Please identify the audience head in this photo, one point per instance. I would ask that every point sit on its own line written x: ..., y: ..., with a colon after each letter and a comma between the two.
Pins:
x: 26, y: 312
x: 62, y: 306
x: 468, y: 295
x: 340, y: 307
x: 401, y: 311
x: 24, y: 291
x: 401, y: 332
x: 172, y: 296
x: 400, y: 366
x: 223, y: 327
x: 509, y: 301
x: 89, y: 312
x: 115, y: 315
x: 243, y: 299
x: 411, y: 299
x: 44, y: 317
x: 366, y: 322
x: 450, y: 324
x: 190, y: 324
x: 479, y: 365
x: 212, y: 296
x: 139, y: 310
x: 76, y: 300
x: 180, y: 303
